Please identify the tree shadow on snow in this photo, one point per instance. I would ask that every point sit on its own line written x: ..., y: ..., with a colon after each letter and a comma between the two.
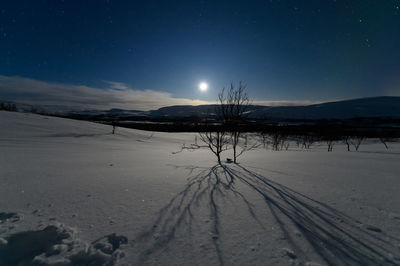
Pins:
x: 335, y: 237
x: 77, y: 135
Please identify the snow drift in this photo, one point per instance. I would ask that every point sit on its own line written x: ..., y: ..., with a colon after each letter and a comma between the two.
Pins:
x: 72, y: 193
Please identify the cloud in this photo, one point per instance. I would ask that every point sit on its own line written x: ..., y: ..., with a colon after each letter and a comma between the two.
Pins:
x: 117, y: 85
x: 286, y: 103
x: 116, y: 95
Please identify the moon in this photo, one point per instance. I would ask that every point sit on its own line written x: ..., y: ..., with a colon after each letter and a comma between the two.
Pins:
x: 203, y: 86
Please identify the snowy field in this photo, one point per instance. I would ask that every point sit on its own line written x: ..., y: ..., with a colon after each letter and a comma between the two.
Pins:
x: 71, y: 193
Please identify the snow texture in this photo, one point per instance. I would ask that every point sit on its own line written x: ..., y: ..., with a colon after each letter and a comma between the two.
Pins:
x: 74, y: 194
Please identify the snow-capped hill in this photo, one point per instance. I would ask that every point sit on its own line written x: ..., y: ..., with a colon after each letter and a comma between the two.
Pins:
x: 375, y: 107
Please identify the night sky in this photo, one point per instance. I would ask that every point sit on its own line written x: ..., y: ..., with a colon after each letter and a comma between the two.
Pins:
x: 284, y: 50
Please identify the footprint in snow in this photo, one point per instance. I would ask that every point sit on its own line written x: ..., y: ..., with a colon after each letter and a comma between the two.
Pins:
x: 373, y: 228
x: 9, y: 216
x: 55, y: 244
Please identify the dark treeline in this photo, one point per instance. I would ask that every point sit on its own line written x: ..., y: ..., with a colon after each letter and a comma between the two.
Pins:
x: 193, y: 119
x: 319, y: 129
x: 322, y: 130
x: 8, y: 107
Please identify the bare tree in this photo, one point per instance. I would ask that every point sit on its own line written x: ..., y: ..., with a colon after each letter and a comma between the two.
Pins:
x: 114, y: 126
x: 283, y: 141
x: 8, y: 107
x: 330, y: 143
x: 356, y: 141
x: 213, y: 138
x: 233, y: 104
x: 298, y: 141
x: 231, y: 112
x: 307, y: 141
x: 286, y: 144
x: 190, y: 147
x: 263, y: 136
x: 216, y: 141
x: 346, y: 140
x: 245, y: 143
x: 279, y: 141
x: 275, y: 141
x: 385, y: 140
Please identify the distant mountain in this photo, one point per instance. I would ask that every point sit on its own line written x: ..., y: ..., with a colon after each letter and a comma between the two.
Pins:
x: 111, y: 112
x: 374, y: 107
x: 180, y: 111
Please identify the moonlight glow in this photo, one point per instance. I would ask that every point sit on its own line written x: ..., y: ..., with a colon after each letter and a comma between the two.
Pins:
x: 203, y: 86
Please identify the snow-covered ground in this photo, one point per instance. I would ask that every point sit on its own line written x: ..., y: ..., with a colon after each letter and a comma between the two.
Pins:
x: 71, y: 193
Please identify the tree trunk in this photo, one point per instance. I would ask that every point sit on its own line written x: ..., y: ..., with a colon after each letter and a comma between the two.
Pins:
x: 384, y: 143
x: 234, y: 153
